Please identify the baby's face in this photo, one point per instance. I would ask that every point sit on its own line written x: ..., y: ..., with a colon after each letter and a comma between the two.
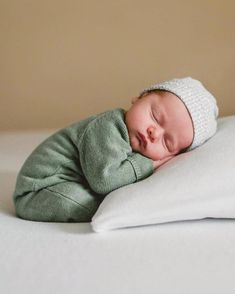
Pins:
x: 159, y: 125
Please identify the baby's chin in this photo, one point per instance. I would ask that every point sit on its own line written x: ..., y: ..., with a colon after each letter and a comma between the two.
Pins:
x: 135, y: 146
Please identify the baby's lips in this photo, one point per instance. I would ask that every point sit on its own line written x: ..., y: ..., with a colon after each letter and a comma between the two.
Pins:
x: 142, y: 139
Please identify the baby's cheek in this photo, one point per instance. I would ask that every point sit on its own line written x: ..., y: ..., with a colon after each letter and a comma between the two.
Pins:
x: 156, y: 153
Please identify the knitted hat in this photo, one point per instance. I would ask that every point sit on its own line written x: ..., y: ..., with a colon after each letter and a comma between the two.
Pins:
x: 200, y: 104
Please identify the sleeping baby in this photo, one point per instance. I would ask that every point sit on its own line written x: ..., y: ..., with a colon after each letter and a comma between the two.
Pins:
x: 68, y: 175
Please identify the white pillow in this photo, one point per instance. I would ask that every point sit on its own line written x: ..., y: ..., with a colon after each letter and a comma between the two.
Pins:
x: 193, y: 185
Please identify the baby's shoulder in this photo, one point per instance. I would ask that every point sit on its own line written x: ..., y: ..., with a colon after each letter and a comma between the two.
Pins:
x: 97, y: 124
x: 107, y: 119
x: 112, y: 115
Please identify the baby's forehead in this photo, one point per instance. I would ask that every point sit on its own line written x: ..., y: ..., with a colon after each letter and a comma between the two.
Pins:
x: 168, y: 104
x: 165, y: 98
x: 160, y: 95
x: 173, y: 115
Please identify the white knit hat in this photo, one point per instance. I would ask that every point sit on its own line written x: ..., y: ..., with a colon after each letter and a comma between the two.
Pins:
x: 200, y: 103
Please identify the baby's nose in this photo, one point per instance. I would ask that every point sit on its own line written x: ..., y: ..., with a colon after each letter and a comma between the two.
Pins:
x: 154, y: 134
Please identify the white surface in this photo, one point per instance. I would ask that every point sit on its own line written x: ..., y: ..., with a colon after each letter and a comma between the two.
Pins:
x: 193, y: 185
x: 182, y: 257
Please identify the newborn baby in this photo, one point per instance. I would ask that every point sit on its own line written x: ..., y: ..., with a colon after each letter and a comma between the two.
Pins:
x: 68, y: 175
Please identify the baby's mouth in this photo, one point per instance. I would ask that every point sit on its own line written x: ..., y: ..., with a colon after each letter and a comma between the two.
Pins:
x: 142, y: 139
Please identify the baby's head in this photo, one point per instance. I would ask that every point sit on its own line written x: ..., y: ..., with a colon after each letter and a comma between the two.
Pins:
x: 171, y: 117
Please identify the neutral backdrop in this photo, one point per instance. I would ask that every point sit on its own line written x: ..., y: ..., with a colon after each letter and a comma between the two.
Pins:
x: 61, y: 61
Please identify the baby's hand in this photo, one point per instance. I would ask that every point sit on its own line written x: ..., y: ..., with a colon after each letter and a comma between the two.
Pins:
x: 157, y: 163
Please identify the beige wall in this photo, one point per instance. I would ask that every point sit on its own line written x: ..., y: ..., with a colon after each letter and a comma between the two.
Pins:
x: 61, y: 61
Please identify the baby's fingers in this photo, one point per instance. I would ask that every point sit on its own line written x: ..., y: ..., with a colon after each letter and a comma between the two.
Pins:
x: 158, y: 163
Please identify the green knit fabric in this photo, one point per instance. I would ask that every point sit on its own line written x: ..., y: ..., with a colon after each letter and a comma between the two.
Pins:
x: 83, y: 161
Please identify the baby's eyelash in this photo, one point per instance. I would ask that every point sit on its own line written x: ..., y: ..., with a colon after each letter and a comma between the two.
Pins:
x: 155, y: 117
x: 170, y: 146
